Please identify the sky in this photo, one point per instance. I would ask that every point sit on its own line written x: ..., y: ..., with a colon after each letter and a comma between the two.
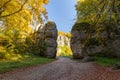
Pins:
x: 63, y: 13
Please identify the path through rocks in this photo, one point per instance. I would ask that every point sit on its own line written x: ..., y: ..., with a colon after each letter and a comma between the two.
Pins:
x: 63, y: 69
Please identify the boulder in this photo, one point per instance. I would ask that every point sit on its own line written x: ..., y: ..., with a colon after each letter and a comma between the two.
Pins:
x: 117, y: 66
x: 51, y: 52
x: 114, y: 45
x: 88, y: 59
x: 51, y: 42
x: 76, y: 48
x: 86, y: 41
x: 92, y: 50
x: 51, y: 34
x: 77, y: 36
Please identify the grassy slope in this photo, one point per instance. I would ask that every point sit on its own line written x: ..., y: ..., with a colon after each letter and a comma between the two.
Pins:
x: 106, y: 61
x: 30, y: 61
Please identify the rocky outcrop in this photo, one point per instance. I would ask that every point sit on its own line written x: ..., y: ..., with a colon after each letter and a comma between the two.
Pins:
x: 50, y: 39
x: 63, y: 42
x: 76, y: 40
x: 48, y: 33
x: 117, y: 66
x: 88, y: 59
x: 83, y: 43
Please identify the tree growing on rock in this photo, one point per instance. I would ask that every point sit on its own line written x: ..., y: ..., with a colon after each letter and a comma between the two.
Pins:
x: 104, y: 20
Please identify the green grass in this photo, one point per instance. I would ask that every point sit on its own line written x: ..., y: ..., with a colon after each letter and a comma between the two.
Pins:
x: 6, y: 66
x: 104, y: 61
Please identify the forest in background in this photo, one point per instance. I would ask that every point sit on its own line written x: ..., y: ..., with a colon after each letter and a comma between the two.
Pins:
x: 63, y: 41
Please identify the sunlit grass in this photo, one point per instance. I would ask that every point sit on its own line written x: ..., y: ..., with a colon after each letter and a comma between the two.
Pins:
x: 8, y: 65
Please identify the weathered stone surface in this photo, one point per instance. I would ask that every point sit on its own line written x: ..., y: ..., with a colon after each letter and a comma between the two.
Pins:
x: 51, y: 52
x: 87, y: 59
x: 77, y: 37
x: 96, y: 44
x: 50, y: 39
x: 51, y: 33
x: 117, y: 66
x: 50, y: 42
x: 114, y: 45
x: 76, y: 48
x: 91, y: 50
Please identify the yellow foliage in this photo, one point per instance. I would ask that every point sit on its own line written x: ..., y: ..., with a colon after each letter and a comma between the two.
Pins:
x: 64, y: 51
x: 64, y: 34
x: 16, y: 29
x: 80, y: 0
x: 17, y: 15
x: 96, y: 11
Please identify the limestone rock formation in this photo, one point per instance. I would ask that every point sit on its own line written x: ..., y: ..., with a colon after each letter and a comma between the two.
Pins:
x: 50, y: 39
x: 76, y: 40
x: 63, y: 42
x: 47, y: 34
x: 83, y: 43
x: 117, y: 66
x: 88, y: 59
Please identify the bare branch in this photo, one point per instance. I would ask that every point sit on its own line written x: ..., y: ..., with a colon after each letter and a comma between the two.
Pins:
x: 99, y: 14
x: 3, y: 6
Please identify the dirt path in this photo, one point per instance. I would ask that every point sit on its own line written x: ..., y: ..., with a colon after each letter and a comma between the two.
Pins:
x: 63, y: 69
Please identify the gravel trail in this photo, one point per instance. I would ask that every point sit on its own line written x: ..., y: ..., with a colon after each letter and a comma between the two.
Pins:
x: 63, y: 69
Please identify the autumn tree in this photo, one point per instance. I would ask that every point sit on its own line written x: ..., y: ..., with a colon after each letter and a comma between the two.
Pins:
x: 99, y: 11
x: 64, y: 34
x: 17, y: 21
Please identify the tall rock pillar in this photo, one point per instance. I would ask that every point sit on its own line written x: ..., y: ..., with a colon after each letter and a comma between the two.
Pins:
x: 51, y: 34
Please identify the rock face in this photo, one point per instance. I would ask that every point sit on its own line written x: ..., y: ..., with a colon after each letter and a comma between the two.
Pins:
x: 51, y: 34
x: 76, y: 41
x: 82, y: 45
x: 48, y: 34
x: 88, y: 59
x: 63, y: 40
x: 117, y: 66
